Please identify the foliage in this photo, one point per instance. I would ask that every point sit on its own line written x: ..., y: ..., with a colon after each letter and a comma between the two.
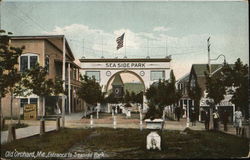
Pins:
x: 9, y: 74
x: 215, y: 88
x: 161, y: 94
x: 37, y: 82
x: 90, y: 90
x: 127, y: 97
x: 237, y: 77
x: 153, y: 112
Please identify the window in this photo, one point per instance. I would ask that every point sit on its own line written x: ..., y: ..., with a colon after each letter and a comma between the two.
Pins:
x: 24, y: 63
x: 156, y: 75
x: 74, y: 73
x: 28, y: 61
x: 24, y: 101
x: 33, y: 100
x: 192, y: 83
x: 93, y: 74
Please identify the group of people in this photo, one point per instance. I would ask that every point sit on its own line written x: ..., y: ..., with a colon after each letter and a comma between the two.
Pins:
x: 193, y: 115
x: 223, y: 117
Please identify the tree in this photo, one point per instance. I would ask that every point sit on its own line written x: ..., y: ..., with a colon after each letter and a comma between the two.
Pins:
x: 9, y: 74
x: 90, y: 90
x: 139, y: 97
x: 237, y: 77
x: 127, y: 97
x: 161, y: 94
x: 39, y: 85
x: 215, y: 88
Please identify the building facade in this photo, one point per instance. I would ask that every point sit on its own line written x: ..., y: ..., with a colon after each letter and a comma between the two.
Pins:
x: 185, y: 101
x: 197, y: 79
x: 47, y: 51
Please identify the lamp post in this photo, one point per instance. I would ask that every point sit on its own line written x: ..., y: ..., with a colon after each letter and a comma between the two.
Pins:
x: 209, y: 71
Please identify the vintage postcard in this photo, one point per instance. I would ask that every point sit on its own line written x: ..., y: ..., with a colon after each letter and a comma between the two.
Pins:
x: 124, y: 79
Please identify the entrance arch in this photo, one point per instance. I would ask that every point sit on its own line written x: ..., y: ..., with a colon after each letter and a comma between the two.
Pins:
x: 124, y: 71
x: 147, y: 70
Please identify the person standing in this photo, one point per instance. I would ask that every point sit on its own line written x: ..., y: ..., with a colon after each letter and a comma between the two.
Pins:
x: 225, y: 119
x: 207, y: 119
x: 238, y: 121
x: 193, y: 116
x: 216, y: 119
x: 178, y: 113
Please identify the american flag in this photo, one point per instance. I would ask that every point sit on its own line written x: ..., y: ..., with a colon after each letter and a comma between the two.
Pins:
x: 119, y: 41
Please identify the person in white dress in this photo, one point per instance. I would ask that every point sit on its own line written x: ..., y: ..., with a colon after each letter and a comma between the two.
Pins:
x: 238, y: 121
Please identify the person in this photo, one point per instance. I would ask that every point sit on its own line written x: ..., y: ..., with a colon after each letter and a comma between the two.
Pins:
x: 193, y: 118
x: 216, y: 119
x: 225, y: 119
x: 178, y: 113
x: 207, y: 119
x: 238, y: 121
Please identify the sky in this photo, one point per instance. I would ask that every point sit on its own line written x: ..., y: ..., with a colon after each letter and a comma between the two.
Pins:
x: 152, y: 28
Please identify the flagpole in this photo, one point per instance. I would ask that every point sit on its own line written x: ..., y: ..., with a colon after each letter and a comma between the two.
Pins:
x: 147, y: 47
x: 167, y: 47
x: 102, y: 46
x: 125, y: 46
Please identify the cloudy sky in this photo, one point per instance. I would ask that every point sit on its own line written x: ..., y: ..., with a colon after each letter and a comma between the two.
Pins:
x: 156, y: 28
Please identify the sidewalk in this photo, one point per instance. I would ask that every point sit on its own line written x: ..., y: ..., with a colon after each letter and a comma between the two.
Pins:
x: 75, y: 121
x: 25, y: 132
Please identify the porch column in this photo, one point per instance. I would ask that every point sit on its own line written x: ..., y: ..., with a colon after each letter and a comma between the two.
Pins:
x: 188, y: 113
x: 69, y: 88
x: 233, y: 113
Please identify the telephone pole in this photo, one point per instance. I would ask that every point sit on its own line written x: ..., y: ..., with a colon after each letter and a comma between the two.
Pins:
x: 209, y: 73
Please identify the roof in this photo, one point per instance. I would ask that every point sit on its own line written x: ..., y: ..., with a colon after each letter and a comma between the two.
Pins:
x: 134, y: 87
x: 55, y: 40
x: 201, y: 68
x: 184, y: 78
x: 117, y: 80
x: 87, y: 60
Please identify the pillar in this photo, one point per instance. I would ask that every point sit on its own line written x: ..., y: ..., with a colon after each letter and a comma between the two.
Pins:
x: 145, y: 105
x: 69, y: 89
x: 233, y: 113
x: 91, y: 121
x: 114, y: 122
x: 188, y: 119
x: 97, y: 114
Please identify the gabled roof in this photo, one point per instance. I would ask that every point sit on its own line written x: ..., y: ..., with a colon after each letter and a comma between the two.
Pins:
x: 135, y: 87
x: 199, y: 69
x: 117, y: 80
x: 184, y: 78
x: 55, y: 40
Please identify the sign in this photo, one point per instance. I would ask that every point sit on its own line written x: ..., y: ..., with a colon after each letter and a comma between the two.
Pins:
x: 153, y: 141
x: 125, y: 65
x: 30, y: 112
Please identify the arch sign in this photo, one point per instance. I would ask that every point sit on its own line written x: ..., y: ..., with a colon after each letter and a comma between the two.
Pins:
x: 148, y: 70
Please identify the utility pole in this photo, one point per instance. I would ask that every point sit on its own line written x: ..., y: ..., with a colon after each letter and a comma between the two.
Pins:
x: 166, y: 48
x: 209, y: 73
x: 147, y: 47
x: 83, y: 47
